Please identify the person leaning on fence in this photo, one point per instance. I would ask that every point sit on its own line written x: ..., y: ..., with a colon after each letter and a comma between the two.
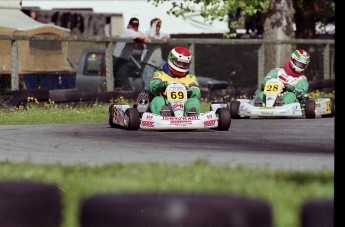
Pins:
x: 151, y: 58
x: 123, y: 51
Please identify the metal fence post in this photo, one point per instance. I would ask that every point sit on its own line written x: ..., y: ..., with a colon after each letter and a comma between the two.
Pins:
x: 109, y: 66
x: 261, y: 64
x: 14, y: 71
x: 326, y: 71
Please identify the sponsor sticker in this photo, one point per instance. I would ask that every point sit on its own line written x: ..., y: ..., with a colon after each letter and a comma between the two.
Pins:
x: 147, y: 123
x: 186, y: 118
x: 209, y: 123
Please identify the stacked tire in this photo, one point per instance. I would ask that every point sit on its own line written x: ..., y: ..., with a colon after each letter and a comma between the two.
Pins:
x: 173, y: 210
x: 29, y: 204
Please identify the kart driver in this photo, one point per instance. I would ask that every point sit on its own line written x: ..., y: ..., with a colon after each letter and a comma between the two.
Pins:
x: 292, y: 76
x: 175, y: 70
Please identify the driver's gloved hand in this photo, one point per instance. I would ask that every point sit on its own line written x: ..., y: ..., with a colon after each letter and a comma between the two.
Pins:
x: 289, y: 87
x: 160, y: 86
x: 194, y: 92
x: 163, y: 84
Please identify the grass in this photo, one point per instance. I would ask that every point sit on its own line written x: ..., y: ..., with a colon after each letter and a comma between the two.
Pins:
x: 284, y: 191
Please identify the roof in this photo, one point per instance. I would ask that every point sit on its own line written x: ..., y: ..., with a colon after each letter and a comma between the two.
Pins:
x: 31, y: 59
x: 14, y: 21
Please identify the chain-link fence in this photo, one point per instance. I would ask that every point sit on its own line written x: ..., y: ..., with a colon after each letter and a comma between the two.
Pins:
x: 49, y: 62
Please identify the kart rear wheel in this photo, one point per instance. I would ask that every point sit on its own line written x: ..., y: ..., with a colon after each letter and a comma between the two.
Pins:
x: 111, y: 116
x: 224, y: 119
x: 234, y: 107
x: 309, y: 109
x: 332, y: 107
x: 132, y: 119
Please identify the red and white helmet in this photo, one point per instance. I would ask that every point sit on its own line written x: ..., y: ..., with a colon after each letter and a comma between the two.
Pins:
x: 299, y: 60
x: 179, y: 60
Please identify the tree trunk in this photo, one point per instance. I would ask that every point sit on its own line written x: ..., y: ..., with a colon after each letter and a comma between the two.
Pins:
x: 279, y: 24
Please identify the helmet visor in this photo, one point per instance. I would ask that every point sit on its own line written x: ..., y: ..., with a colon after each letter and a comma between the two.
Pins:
x: 299, y: 64
x: 181, y: 64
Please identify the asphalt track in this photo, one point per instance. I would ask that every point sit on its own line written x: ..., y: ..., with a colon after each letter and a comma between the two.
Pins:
x: 288, y: 144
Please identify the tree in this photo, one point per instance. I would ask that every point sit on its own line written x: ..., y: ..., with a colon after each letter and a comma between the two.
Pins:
x: 305, y: 14
x: 278, y: 24
x: 215, y: 10
x: 281, y: 19
x: 314, y: 13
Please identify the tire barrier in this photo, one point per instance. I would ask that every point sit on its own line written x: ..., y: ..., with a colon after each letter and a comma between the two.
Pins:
x: 18, y: 98
x: 29, y: 204
x: 317, y: 213
x: 65, y: 95
x: 173, y: 210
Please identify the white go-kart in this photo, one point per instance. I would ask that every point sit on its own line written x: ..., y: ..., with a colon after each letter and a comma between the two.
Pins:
x: 273, y: 106
x: 140, y: 117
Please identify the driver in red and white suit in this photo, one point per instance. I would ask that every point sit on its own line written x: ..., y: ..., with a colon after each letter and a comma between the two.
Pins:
x: 293, y: 77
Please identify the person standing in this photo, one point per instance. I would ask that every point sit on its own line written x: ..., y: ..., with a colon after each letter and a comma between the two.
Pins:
x: 151, y: 58
x: 123, y: 51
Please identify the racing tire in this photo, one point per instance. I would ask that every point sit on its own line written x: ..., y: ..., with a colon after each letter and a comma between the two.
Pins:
x: 111, y: 116
x: 309, y: 109
x: 30, y: 204
x: 224, y: 119
x: 317, y: 213
x: 132, y: 119
x: 234, y: 107
x: 332, y: 106
x: 173, y: 210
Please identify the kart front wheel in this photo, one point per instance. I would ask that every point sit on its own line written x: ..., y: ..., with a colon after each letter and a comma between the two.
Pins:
x: 234, y: 107
x: 132, y: 119
x: 309, y: 109
x: 224, y: 119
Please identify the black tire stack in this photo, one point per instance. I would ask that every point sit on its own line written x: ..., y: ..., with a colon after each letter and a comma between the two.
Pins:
x: 173, y: 210
x: 317, y: 213
x: 29, y: 204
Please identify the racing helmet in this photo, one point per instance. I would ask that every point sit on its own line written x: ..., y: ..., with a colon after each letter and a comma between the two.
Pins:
x: 299, y: 60
x: 179, y: 60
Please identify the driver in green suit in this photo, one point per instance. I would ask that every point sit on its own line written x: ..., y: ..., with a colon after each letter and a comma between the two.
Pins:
x: 175, y: 70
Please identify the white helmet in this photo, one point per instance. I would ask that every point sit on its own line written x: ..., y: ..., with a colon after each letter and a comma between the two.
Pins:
x: 299, y: 60
x: 179, y: 60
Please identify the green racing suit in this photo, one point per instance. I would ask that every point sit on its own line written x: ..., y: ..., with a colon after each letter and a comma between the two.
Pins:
x: 160, y: 81
x: 296, y: 85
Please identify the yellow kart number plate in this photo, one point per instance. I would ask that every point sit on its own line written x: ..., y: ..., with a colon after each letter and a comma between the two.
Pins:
x: 272, y: 88
x: 177, y: 95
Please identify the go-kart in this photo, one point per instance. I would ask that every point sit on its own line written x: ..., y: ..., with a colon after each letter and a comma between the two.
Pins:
x: 140, y: 117
x: 273, y: 106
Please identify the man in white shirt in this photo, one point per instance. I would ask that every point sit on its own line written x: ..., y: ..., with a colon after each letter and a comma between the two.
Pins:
x: 151, y: 58
x: 123, y: 51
